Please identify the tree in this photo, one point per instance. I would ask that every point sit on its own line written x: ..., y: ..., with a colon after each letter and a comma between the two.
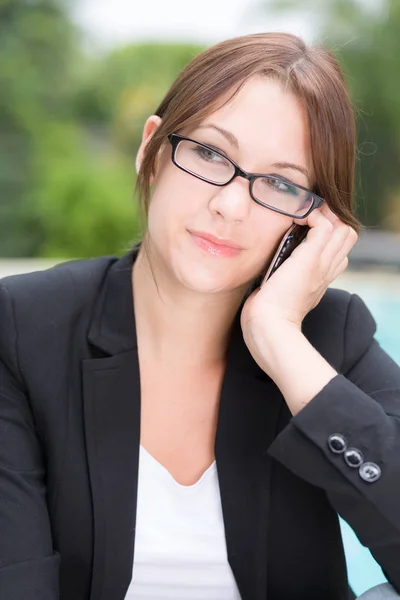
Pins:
x: 118, y: 92
x: 70, y: 125
x: 85, y: 192
x: 36, y: 43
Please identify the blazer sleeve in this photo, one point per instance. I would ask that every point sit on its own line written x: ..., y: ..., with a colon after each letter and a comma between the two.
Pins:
x: 28, y: 564
x: 362, y: 405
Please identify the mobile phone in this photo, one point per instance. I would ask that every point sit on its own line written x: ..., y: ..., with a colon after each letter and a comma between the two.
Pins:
x: 292, y: 238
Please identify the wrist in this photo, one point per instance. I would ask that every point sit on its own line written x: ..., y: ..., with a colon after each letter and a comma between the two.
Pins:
x: 280, y: 339
x: 296, y: 367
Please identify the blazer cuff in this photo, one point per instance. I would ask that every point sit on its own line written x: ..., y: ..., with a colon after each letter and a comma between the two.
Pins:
x: 364, y: 433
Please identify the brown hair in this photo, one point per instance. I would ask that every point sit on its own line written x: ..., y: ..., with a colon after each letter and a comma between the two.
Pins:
x: 311, y: 72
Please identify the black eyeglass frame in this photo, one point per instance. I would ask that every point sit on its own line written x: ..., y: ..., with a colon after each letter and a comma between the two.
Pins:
x: 175, y: 139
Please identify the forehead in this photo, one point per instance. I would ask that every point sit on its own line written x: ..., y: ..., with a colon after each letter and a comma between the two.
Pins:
x: 266, y: 118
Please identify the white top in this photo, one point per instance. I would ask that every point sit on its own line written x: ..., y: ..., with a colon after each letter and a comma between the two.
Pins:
x: 180, y: 547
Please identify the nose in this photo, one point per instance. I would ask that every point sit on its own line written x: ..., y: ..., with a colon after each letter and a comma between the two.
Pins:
x: 233, y: 201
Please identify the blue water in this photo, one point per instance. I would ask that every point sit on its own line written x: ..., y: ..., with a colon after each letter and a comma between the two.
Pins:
x: 364, y: 572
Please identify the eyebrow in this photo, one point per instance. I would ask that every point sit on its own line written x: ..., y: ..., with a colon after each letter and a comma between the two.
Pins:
x: 229, y: 136
x: 233, y: 140
x: 287, y: 165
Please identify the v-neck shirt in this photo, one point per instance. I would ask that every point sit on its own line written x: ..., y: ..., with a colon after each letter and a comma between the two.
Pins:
x: 180, y: 546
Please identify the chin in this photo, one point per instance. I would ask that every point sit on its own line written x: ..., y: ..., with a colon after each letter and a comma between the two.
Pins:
x: 201, y: 281
x: 207, y: 279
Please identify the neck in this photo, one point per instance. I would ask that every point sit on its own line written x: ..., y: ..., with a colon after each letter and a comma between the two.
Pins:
x: 178, y: 325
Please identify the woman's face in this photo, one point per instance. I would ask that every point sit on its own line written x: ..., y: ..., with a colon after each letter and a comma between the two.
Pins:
x: 262, y: 128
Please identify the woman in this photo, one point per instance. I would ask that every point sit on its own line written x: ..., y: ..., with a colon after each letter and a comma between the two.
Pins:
x: 170, y: 429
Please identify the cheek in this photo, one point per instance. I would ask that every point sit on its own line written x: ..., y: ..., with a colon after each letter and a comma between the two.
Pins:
x: 268, y: 231
x: 167, y: 211
x: 176, y: 200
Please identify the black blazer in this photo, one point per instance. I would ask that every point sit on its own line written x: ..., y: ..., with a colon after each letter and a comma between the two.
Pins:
x: 69, y: 446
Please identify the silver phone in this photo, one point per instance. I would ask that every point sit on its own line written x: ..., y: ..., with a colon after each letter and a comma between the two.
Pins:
x: 292, y: 238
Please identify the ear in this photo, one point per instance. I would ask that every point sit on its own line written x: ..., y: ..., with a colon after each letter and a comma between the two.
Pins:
x: 149, y: 129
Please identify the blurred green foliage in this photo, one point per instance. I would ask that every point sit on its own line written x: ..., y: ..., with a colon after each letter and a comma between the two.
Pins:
x: 86, y: 192
x: 37, y: 45
x: 365, y: 36
x: 70, y: 123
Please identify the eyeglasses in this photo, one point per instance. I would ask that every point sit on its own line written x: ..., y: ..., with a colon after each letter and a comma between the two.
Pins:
x: 272, y: 191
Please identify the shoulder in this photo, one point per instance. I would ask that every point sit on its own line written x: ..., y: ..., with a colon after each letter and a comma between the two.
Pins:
x: 74, y: 281
x: 82, y: 273
x: 43, y: 304
x: 339, y: 308
x: 341, y: 327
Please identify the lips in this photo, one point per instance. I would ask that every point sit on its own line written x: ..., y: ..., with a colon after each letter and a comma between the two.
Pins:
x: 215, y: 240
x: 215, y: 246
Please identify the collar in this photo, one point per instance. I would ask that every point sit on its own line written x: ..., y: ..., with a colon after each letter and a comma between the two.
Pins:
x: 112, y: 327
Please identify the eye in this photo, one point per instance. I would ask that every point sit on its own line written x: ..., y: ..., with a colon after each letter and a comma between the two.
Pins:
x: 208, y: 155
x: 282, y: 186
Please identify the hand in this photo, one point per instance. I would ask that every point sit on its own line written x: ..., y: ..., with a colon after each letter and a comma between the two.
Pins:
x: 301, y: 281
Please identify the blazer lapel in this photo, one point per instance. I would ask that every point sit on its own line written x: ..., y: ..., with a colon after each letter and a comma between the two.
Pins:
x: 111, y: 389
x: 112, y: 429
x: 248, y: 416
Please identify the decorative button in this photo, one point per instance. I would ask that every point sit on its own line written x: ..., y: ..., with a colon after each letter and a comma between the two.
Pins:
x: 337, y: 443
x: 353, y: 457
x: 370, y: 472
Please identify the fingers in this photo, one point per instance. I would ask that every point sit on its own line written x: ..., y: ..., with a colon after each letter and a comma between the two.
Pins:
x: 333, y: 233
x: 329, y: 214
x: 321, y: 230
x: 342, y: 240
x: 329, y: 239
x: 338, y: 248
x: 340, y: 268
